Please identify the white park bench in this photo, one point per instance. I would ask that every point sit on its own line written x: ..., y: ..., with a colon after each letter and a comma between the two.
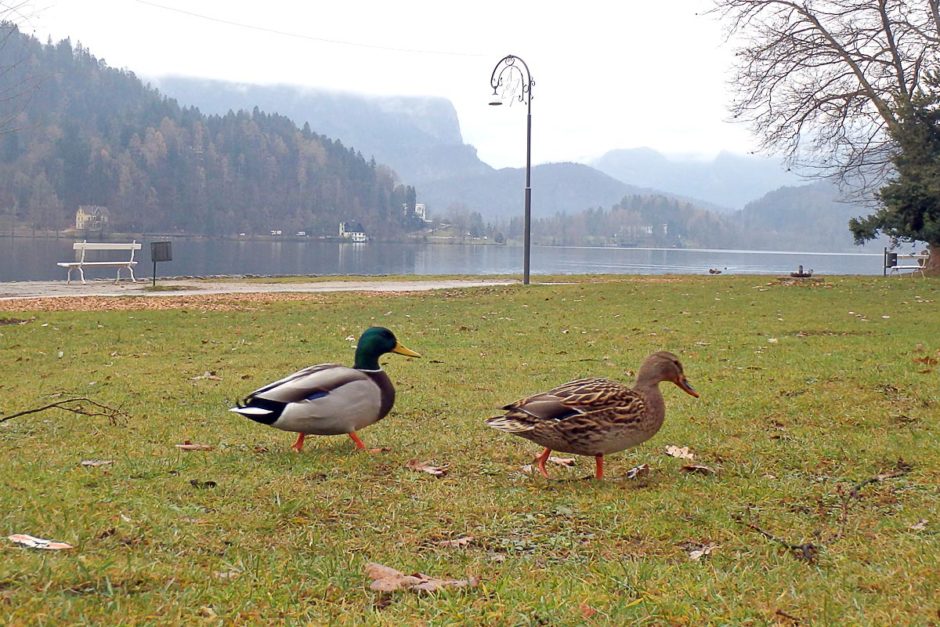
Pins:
x: 916, y: 262
x: 81, y: 264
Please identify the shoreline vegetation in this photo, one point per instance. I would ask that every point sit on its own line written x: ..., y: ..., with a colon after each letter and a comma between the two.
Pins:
x: 799, y: 488
x: 71, y: 234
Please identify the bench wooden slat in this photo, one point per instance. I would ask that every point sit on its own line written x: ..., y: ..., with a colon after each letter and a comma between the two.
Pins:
x: 105, y: 246
x: 86, y: 246
x: 75, y: 264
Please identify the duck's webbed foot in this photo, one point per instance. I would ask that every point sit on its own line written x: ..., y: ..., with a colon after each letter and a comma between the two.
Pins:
x: 541, y: 459
x: 362, y: 447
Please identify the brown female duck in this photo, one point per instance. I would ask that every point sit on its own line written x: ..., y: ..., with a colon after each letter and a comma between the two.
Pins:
x: 595, y: 416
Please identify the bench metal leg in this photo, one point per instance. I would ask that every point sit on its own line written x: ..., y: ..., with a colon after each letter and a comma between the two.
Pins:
x: 81, y: 273
x: 130, y: 270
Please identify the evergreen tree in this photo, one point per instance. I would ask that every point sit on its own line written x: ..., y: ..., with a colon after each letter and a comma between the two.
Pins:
x: 910, y: 201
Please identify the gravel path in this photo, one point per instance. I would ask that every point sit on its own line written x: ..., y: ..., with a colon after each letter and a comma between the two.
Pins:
x: 183, y: 287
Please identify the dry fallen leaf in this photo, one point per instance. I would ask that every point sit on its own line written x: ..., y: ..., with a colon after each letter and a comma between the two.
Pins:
x: 4, y: 321
x: 638, y: 471
x: 206, y: 611
x: 567, y: 462
x: 385, y: 579
x: 920, y: 525
x: 697, y: 469
x: 208, y: 374
x: 680, y: 452
x: 33, y: 542
x: 94, y: 463
x: 437, y: 471
x: 377, y: 571
x: 458, y: 543
x: 703, y: 551
x: 189, y: 446
x: 586, y: 610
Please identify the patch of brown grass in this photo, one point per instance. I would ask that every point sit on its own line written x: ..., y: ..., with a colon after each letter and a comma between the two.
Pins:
x: 208, y: 302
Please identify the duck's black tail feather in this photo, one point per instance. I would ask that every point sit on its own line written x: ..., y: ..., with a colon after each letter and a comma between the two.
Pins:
x: 259, y: 409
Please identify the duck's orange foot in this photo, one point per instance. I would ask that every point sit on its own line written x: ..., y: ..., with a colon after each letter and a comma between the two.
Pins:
x: 541, y: 459
x: 298, y: 446
x: 362, y: 447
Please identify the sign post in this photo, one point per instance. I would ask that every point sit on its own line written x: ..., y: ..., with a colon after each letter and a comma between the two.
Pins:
x: 160, y: 251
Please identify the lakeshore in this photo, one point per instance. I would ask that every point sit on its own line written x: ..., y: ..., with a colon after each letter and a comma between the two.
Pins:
x: 35, y: 259
x: 233, y: 285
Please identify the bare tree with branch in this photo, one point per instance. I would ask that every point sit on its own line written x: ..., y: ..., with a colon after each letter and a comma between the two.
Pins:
x: 824, y: 79
x: 827, y: 82
x: 15, y: 87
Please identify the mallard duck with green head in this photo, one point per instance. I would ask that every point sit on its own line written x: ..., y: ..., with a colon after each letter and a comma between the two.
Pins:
x: 330, y: 399
x: 595, y: 416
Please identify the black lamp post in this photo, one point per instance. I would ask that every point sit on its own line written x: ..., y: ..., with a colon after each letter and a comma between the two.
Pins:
x: 505, y: 68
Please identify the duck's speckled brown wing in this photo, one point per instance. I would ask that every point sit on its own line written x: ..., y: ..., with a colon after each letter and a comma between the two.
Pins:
x: 601, y: 395
x: 577, y: 405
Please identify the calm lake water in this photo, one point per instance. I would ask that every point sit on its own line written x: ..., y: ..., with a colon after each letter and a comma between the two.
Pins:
x: 34, y: 259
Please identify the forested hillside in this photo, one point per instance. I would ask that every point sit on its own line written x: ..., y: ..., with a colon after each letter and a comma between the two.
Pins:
x: 807, y: 217
x: 418, y: 137
x: 77, y: 132
x: 640, y: 220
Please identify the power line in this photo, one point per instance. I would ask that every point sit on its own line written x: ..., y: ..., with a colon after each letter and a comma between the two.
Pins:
x: 323, y: 40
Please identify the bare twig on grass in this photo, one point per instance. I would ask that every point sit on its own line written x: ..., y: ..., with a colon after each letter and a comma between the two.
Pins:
x: 809, y: 551
x: 79, y: 405
x: 806, y: 551
x: 901, y: 468
x: 789, y: 617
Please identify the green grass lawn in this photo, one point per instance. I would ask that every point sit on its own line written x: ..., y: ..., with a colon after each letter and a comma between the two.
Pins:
x: 819, y: 413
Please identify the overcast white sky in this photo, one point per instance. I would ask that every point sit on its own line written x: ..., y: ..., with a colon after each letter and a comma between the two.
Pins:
x: 608, y: 74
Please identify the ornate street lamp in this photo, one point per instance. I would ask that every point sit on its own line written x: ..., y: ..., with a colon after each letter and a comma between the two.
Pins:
x: 504, y: 75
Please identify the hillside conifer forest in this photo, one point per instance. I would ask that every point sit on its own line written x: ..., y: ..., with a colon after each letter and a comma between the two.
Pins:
x: 78, y: 132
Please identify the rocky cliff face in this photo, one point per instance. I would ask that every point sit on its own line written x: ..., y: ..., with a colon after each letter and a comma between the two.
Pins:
x: 419, y: 138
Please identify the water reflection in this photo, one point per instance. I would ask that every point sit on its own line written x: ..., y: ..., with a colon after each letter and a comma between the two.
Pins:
x: 34, y: 259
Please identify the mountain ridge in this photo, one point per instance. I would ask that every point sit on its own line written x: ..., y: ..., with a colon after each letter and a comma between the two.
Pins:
x: 728, y: 180
x: 420, y: 139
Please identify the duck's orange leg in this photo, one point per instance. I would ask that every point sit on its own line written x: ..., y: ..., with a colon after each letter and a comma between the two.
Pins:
x: 599, y: 466
x: 541, y: 459
x: 362, y: 447
x: 299, y: 444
